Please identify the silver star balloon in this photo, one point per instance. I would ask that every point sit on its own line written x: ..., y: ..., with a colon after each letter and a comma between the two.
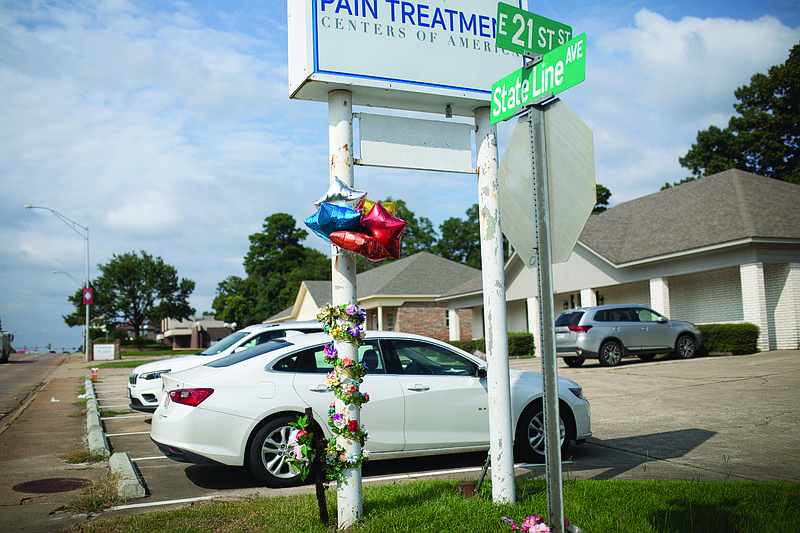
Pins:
x: 339, y: 193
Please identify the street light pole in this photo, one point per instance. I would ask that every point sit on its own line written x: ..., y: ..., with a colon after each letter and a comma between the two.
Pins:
x: 85, y: 235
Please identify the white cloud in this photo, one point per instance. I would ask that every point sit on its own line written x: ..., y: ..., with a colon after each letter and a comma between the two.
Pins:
x: 651, y: 87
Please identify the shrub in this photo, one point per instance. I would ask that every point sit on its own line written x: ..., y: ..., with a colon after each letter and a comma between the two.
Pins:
x: 734, y: 338
x: 520, y: 344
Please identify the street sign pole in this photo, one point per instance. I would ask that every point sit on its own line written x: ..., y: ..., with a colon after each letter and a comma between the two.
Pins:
x: 552, y: 427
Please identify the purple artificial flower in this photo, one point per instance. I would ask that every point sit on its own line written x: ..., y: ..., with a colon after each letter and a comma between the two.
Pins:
x: 351, y: 310
x: 330, y: 352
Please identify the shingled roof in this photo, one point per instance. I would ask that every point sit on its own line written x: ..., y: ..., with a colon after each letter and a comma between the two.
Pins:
x: 420, y: 275
x: 723, y: 208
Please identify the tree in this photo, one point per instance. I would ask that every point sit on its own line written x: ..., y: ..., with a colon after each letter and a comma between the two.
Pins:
x: 765, y: 137
x: 603, y: 195
x: 277, y: 263
x: 461, y: 239
x: 236, y: 301
x: 419, y: 235
x: 135, y: 290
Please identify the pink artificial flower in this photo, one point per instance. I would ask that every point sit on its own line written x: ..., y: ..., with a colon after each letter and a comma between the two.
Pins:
x: 346, y: 362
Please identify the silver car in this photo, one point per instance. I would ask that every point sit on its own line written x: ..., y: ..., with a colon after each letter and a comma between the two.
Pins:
x: 611, y: 332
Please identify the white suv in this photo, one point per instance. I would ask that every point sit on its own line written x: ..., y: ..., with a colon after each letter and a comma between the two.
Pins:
x: 144, y: 383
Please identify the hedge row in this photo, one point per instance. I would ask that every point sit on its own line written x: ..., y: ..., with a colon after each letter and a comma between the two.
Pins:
x: 730, y: 338
x: 519, y: 345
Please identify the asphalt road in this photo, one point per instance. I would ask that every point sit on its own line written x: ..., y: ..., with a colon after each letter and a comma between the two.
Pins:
x: 20, y: 376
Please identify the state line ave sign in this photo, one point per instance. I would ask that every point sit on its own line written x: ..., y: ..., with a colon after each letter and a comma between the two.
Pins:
x: 559, y: 70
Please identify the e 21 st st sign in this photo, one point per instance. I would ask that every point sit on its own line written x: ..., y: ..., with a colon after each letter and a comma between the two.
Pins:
x: 521, y: 31
x: 559, y: 70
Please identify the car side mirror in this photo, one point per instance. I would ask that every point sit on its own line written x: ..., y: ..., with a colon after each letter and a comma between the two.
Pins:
x: 481, y: 372
x: 662, y: 320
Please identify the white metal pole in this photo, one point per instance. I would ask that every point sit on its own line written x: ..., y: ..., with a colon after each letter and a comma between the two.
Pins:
x: 541, y: 202
x: 344, y: 291
x: 86, y: 326
x: 494, y: 309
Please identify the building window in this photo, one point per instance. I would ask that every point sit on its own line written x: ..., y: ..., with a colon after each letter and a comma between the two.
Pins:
x: 390, y: 321
x: 447, y: 319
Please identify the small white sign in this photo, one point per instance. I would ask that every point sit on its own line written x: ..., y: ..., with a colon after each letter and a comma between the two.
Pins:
x: 400, y: 142
x: 103, y: 352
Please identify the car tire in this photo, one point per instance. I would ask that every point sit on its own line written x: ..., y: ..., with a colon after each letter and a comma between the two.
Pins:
x: 610, y: 354
x: 647, y: 356
x: 574, y: 362
x: 529, y: 439
x: 686, y: 347
x: 268, y: 454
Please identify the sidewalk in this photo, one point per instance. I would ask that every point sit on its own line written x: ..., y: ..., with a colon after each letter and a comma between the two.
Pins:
x: 29, y: 448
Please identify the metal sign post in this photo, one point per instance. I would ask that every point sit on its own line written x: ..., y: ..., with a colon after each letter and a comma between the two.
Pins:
x: 498, y: 381
x: 544, y: 274
x: 343, y: 264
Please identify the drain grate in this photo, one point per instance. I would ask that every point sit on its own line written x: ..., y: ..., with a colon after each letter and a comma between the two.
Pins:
x: 51, y: 485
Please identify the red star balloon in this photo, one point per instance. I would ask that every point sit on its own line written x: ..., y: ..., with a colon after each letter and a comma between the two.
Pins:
x: 385, y: 227
x: 361, y: 243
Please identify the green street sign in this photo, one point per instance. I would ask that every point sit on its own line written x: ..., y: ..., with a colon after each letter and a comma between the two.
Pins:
x: 521, y: 31
x: 559, y: 70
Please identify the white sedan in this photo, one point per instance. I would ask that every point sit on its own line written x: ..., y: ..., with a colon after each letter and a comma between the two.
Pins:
x: 426, y: 397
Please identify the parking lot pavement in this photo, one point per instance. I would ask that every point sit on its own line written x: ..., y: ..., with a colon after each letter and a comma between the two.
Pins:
x: 710, y: 418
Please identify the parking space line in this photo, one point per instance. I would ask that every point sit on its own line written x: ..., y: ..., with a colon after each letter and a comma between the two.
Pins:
x: 143, y: 415
x: 131, y: 433
x: 150, y: 458
x: 153, y: 504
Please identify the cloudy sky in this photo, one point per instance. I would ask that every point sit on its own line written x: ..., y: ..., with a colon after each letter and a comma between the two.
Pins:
x: 165, y: 126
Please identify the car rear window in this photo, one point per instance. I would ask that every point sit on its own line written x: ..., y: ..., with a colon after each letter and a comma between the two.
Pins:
x: 244, y: 355
x: 569, y: 319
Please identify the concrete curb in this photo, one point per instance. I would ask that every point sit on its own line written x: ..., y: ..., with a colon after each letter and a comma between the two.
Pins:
x: 98, y: 444
x: 129, y: 485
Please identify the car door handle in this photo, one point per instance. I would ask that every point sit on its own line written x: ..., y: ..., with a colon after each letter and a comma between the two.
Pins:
x: 319, y: 388
x: 419, y: 387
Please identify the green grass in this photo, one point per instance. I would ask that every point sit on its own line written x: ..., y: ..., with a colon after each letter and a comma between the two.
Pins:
x: 434, y: 506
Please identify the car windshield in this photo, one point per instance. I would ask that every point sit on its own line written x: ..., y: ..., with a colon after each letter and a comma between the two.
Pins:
x: 243, y: 355
x: 570, y: 318
x: 224, y: 344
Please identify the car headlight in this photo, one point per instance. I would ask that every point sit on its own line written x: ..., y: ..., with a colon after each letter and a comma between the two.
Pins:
x: 577, y: 391
x: 155, y: 374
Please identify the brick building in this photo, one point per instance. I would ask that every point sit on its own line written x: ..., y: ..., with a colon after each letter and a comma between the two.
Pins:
x: 399, y: 296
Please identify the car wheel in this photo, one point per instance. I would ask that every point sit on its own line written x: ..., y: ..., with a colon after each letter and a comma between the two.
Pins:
x: 647, y: 356
x: 610, y: 354
x: 530, y: 438
x: 574, y: 362
x: 686, y: 347
x: 268, y: 454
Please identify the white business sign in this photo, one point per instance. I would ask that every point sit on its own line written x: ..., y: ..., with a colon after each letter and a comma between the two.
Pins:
x: 400, y: 142
x: 397, y: 54
x: 103, y: 352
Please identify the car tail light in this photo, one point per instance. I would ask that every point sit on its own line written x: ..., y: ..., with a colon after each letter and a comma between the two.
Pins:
x: 190, y: 397
x: 580, y: 329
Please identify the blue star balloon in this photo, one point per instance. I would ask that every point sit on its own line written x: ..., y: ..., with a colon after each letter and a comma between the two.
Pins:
x: 339, y: 193
x: 333, y: 217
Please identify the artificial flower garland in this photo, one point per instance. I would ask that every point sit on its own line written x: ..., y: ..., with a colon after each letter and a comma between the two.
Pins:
x: 344, y: 380
x: 351, y: 330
